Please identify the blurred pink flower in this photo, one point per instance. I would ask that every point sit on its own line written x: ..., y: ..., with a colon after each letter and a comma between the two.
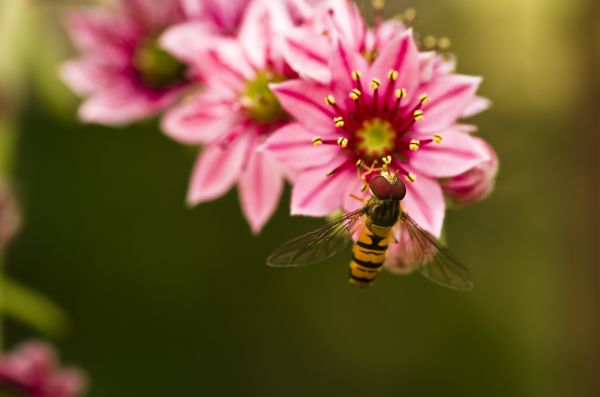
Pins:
x: 10, y: 215
x: 477, y: 183
x: 237, y: 110
x: 394, y: 102
x: 122, y: 71
x: 404, y: 255
x: 31, y: 370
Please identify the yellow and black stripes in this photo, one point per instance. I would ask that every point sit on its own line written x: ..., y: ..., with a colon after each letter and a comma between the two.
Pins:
x: 368, y: 255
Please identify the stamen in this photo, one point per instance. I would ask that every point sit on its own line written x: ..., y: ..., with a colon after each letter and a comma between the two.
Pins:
x: 387, y: 160
x: 330, y: 100
x: 393, y: 75
x: 375, y: 83
x: 418, y: 115
x: 356, y: 74
x: 410, y: 177
x: 317, y: 141
x: 444, y: 43
x: 355, y: 94
x: 400, y: 94
x: 424, y: 99
x: 414, y: 145
x: 339, y: 121
x: 333, y: 171
x: 437, y: 138
x: 342, y: 142
x: 359, y: 163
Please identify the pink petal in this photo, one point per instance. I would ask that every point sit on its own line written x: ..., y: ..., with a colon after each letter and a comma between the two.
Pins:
x: 256, y: 34
x: 316, y: 194
x: 347, y: 21
x: 427, y: 62
x: 123, y: 105
x: 217, y: 170
x: 424, y: 202
x: 260, y: 186
x: 344, y: 61
x: 450, y: 96
x: 225, y: 66
x: 200, y: 120
x: 306, y: 102
x: 401, y: 55
x: 457, y: 153
x: 292, y: 146
x: 478, y: 105
x: 308, y: 54
x: 85, y: 76
x: 188, y: 42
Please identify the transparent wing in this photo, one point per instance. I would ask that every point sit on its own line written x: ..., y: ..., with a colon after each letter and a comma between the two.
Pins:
x: 318, y: 245
x: 443, y: 268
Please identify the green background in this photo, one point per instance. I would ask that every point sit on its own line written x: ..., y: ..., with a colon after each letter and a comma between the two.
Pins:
x: 170, y: 301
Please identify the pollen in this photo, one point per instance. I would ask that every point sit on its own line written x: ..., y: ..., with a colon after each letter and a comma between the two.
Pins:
x: 410, y: 177
x: 414, y: 145
x: 330, y: 100
x: 393, y: 75
x: 378, y: 4
x: 339, y: 122
x: 418, y: 114
x: 387, y: 160
x: 342, y: 142
x: 375, y: 83
x: 424, y: 99
x: 355, y: 94
x: 317, y: 141
x: 437, y: 138
x: 400, y: 93
x: 356, y: 74
x: 359, y: 163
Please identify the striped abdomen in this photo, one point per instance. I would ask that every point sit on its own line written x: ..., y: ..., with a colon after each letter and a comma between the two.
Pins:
x: 368, y: 255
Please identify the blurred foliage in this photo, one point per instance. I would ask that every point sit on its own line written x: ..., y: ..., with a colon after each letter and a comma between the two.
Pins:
x: 167, y: 300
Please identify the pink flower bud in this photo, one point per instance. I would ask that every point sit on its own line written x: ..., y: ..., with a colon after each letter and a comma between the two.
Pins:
x: 475, y: 184
x: 405, y: 255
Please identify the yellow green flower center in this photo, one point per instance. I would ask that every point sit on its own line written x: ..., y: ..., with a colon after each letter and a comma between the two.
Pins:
x: 259, y: 101
x: 375, y: 137
x: 156, y: 67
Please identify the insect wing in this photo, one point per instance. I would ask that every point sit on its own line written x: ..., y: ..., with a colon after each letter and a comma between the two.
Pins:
x: 318, y: 245
x: 443, y: 268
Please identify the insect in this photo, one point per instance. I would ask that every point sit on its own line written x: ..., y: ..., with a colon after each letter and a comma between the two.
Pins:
x: 377, y: 221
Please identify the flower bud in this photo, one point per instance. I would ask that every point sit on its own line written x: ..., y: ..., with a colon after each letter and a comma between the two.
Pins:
x: 475, y: 184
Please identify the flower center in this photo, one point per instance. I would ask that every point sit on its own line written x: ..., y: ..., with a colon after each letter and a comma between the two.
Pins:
x: 375, y: 138
x: 156, y: 67
x: 259, y: 101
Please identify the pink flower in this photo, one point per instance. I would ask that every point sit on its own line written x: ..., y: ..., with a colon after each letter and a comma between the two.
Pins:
x: 122, y: 71
x: 31, y: 371
x: 404, y: 255
x: 237, y: 111
x: 475, y: 184
x: 397, y: 106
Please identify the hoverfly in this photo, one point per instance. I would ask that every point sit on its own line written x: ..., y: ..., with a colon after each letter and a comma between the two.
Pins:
x: 377, y: 220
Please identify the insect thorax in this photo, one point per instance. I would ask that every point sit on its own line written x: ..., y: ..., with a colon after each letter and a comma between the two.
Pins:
x: 383, y: 213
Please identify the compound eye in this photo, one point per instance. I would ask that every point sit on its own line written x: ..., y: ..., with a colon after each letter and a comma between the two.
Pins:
x: 381, y: 187
x: 398, y: 190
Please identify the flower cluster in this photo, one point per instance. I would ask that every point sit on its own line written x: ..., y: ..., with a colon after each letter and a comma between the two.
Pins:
x: 31, y: 371
x: 296, y: 90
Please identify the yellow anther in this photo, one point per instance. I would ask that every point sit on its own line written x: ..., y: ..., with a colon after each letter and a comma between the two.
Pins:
x: 419, y: 115
x: 331, y: 172
x: 410, y: 177
x: 393, y: 75
x: 317, y: 141
x: 356, y: 74
x: 364, y: 188
x: 330, y: 100
x: 400, y: 93
x: 343, y: 142
x: 437, y: 138
x: 339, y: 121
x: 410, y: 14
x: 444, y: 43
x: 429, y: 42
x: 359, y: 163
x: 375, y: 83
x: 387, y: 160
x: 424, y: 99
x: 378, y: 4
x: 355, y: 94
x: 414, y: 145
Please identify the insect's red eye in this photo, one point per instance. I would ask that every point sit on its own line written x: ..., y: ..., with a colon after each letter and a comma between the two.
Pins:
x: 398, y: 190
x: 381, y: 187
